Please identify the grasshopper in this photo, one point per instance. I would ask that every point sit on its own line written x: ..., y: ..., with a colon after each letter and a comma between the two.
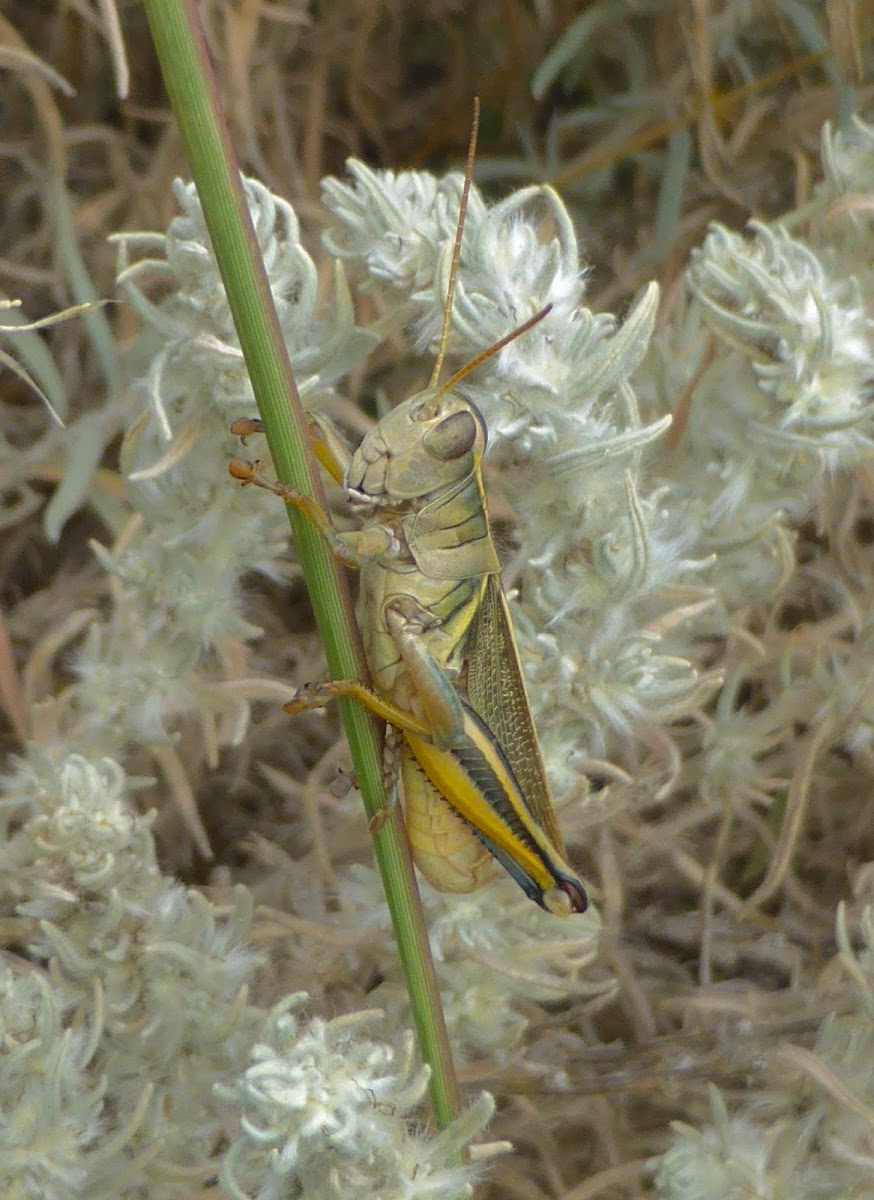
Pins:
x: 438, y: 637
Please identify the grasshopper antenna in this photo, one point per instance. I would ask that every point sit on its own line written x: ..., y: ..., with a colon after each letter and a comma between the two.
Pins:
x: 456, y: 249
x: 453, y: 277
x: 493, y: 349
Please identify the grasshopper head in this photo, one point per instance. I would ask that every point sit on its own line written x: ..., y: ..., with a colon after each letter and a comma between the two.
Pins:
x: 432, y: 441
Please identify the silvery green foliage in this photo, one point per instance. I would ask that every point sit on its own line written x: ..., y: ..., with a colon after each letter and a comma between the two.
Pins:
x: 118, y: 1065
x: 396, y: 223
x: 149, y: 665
x: 491, y: 949
x: 200, y: 364
x: 107, y: 1073
x: 52, y: 1106
x: 732, y: 1157
x: 324, y: 1112
x: 155, y: 973
x: 179, y: 574
x: 597, y: 552
x: 848, y: 162
x: 780, y: 400
x: 811, y: 1138
x: 805, y: 336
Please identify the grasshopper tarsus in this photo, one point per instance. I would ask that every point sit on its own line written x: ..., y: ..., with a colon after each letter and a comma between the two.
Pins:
x: 317, y: 695
x: 246, y: 472
x: 245, y: 427
x: 312, y: 695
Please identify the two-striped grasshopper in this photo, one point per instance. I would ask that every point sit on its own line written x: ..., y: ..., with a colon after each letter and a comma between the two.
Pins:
x: 439, y: 640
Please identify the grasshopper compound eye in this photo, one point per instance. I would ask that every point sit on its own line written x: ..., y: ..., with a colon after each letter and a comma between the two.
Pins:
x: 452, y: 438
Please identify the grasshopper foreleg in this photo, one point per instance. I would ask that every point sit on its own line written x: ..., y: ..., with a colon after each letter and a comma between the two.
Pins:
x: 327, y: 444
x: 328, y: 447
x: 341, y: 545
x: 350, y: 548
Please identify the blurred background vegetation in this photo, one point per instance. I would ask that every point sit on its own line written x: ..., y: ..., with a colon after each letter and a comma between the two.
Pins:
x: 651, y: 119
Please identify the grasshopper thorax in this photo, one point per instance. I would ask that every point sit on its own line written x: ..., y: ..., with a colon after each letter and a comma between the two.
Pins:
x: 429, y: 444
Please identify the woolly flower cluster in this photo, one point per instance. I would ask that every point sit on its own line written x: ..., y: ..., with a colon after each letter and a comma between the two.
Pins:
x: 200, y: 364
x: 806, y: 337
x: 769, y: 362
x: 120, y: 1064
x: 49, y: 1141
x: 848, y: 162
x: 818, y: 1143
x: 106, y: 1072
x: 535, y: 396
x: 491, y: 949
x: 179, y: 570
x: 323, y: 1112
x: 177, y: 598
x: 733, y: 1157
x: 81, y: 835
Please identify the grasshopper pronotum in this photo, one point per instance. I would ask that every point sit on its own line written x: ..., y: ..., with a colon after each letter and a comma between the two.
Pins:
x: 438, y: 637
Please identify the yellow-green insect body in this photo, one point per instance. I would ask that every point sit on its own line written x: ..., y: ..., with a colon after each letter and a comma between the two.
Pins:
x: 417, y: 474
x: 441, y: 651
x: 439, y: 641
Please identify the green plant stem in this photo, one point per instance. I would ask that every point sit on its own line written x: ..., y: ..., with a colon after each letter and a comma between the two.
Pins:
x: 192, y: 90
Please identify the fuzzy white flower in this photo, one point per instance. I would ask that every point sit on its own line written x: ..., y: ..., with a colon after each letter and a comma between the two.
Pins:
x: 848, y: 157
x: 808, y: 338
x: 324, y: 1111
x: 191, y: 261
x: 394, y: 222
x: 733, y: 1159
x: 51, y: 1132
x: 154, y: 971
x: 81, y: 838
x: 200, y: 367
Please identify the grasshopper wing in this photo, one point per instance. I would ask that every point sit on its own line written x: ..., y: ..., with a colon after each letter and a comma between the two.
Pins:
x: 497, y: 694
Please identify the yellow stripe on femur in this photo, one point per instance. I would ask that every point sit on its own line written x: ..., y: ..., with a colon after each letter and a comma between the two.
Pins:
x: 475, y: 778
